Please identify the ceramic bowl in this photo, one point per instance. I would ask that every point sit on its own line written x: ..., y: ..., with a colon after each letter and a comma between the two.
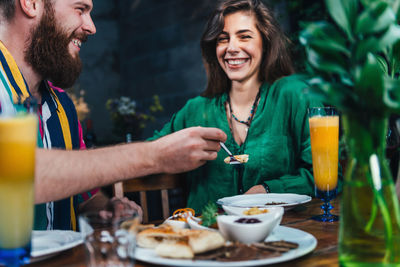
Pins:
x: 249, y: 232
x: 239, y: 211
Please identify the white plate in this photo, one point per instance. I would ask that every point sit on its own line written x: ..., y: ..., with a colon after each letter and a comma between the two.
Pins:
x: 48, y: 243
x: 262, y: 200
x: 306, y: 241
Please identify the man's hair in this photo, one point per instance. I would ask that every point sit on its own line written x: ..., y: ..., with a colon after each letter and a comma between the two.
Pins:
x: 7, y: 8
x: 276, y: 61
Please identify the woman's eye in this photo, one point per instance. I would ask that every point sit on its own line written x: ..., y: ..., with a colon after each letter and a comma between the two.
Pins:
x: 222, y: 39
x: 246, y: 37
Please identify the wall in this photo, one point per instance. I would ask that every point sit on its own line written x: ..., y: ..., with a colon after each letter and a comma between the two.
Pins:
x: 141, y: 48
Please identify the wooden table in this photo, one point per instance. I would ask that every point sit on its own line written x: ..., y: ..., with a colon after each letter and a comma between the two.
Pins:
x: 325, y: 254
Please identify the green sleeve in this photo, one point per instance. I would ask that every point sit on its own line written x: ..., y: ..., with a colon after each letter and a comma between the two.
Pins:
x: 300, y: 180
x: 184, y: 118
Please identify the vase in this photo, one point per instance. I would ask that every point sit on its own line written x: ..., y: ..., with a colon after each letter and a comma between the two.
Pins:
x: 369, y: 232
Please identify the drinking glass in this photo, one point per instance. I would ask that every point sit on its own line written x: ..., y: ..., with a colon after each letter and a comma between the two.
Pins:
x: 109, y: 239
x: 324, y: 134
x: 18, y: 139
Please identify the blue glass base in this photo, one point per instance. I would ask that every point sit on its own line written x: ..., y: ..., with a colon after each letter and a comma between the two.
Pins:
x: 326, y: 196
x: 326, y: 218
x: 16, y: 256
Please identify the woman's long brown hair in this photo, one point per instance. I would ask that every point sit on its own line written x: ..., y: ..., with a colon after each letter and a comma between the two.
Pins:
x: 276, y: 61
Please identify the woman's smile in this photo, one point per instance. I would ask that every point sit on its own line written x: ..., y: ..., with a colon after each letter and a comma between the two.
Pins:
x: 240, y: 47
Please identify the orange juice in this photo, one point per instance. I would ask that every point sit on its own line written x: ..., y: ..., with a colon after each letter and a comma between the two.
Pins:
x: 18, y: 137
x: 324, y: 133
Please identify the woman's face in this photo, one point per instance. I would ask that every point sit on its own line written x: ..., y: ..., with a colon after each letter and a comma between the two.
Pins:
x: 239, y: 47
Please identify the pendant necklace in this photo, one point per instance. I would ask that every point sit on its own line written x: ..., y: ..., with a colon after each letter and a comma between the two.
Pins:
x: 252, y: 111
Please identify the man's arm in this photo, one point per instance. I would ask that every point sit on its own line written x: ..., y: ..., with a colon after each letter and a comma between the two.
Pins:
x: 60, y: 173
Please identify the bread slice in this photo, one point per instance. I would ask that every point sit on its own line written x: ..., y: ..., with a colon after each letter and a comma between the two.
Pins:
x: 178, y: 250
x: 151, y: 238
x: 203, y: 240
x: 241, y: 158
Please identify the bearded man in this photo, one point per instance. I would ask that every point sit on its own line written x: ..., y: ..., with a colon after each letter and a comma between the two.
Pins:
x: 40, y: 44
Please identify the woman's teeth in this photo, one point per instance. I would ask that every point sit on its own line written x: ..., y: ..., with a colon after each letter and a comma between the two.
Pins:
x: 236, y: 61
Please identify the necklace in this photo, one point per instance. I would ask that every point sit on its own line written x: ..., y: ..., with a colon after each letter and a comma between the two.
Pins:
x: 253, y: 108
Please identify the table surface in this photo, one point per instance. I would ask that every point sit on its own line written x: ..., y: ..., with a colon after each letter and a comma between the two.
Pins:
x: 325, y: 254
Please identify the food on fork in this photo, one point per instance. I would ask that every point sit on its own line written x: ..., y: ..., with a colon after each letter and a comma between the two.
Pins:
x: 241, y: 158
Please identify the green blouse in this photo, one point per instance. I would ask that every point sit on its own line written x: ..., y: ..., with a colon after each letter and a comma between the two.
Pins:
x: 277, y: 143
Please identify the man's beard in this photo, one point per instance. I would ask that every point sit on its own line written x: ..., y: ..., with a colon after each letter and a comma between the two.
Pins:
x: 49, y: 55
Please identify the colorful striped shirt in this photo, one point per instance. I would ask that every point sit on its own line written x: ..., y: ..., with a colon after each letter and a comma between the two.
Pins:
x: 59, y: 127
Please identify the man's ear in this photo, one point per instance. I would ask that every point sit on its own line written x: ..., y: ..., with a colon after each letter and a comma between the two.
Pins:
x: 32, y: 8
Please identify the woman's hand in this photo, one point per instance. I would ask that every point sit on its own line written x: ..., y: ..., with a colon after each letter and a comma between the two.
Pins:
x: 257, y: 189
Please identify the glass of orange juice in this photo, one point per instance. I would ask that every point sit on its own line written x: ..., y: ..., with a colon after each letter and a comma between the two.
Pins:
x: 18, y: 139
x: 324, y: 134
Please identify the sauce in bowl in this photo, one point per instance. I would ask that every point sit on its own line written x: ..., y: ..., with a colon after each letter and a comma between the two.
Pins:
x: 247, y: 220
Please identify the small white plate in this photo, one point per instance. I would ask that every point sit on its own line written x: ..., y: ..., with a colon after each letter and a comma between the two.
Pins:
x: 48, y: 243
x: 264, y: 200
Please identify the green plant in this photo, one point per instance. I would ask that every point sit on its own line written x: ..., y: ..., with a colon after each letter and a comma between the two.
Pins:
x: 354, y: 64
x: 126, y: 119
x: 209, y: 214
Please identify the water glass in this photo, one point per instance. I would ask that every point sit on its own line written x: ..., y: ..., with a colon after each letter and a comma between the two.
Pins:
x: 108, y: 243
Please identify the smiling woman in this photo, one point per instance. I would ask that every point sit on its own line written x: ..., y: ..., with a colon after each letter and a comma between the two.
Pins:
x: 252, y: 95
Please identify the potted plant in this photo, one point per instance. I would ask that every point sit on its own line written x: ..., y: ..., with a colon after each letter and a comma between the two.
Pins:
x: 129, y: 123
x: 354, y: 64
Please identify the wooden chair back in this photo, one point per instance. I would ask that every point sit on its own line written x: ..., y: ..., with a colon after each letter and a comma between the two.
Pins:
x: 162, y: 182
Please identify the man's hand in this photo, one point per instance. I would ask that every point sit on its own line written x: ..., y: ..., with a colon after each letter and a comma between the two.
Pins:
x: 120, y: 208
x: 257, y: 189
x: 188, y: 149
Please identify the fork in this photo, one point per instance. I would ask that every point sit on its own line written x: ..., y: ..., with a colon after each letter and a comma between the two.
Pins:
x: 233, y: 159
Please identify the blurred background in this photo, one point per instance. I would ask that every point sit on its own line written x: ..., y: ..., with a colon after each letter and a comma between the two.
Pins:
x: 145, y: 62
x: 148, y: 51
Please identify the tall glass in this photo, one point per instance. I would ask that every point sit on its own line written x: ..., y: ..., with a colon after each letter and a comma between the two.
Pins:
x: 18, y: 139
x: 324, y: 134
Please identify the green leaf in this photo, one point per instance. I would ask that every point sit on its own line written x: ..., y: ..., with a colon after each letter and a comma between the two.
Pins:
x: 374, y: 44
x: 323, y: 62
x: 391, y: 37
x: 324, y: 37
x: 343, y: 13
x: 395, y: 55
x: 370, y: 85
x: 392, y: 94
x: 376, y: 17
x: 383, y: 64
x: 332, y: 93
x: 396, y: 7
x: 369, y: 45
x: 209, y: 214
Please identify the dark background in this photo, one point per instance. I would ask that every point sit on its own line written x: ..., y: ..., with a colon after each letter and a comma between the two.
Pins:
x: 147, y: 47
